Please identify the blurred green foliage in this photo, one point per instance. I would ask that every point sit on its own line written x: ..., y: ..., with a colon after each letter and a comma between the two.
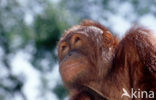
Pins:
x: 43, y: 34
x: 60, y: 91
x: 47, y: 30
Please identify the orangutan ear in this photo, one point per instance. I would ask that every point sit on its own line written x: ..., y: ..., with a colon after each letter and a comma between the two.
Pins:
x: 107, y: 39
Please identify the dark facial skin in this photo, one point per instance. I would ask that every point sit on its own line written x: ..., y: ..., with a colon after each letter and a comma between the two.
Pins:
x: 74, y: 58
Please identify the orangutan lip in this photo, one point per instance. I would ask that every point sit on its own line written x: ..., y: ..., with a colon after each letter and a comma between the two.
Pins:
x: 70, y: 66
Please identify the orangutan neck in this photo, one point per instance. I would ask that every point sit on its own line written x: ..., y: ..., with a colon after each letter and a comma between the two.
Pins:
x: 110, y: 88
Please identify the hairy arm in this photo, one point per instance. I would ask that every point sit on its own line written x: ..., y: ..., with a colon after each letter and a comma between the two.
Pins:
x: 145, y: 43
x: 137, y: 53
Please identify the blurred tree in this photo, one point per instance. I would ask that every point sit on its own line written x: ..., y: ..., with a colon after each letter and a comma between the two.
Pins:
x: 101, y: 10
x: 15, y: 34
x: 47, y: 29
x: 60, y: 91
x: 9, y: 22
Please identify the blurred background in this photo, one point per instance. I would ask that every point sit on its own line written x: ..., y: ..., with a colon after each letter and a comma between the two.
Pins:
x: 30, y: 30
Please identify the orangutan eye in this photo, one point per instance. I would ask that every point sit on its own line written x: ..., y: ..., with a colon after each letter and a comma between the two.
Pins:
x: 63, y: 48
x: 77, y: 39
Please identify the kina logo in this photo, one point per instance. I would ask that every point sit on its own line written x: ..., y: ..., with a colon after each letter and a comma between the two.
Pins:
x: 137, y: 94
